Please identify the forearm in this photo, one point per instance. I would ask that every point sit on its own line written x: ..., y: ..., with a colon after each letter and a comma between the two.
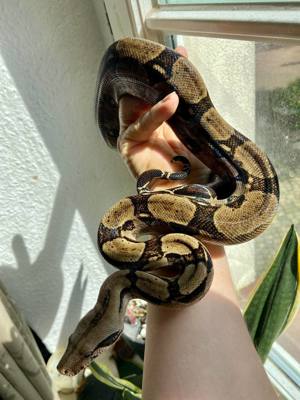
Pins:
x: 203, y: 351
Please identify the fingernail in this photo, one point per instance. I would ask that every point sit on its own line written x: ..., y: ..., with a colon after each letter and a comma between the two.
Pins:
x: 167, y: 97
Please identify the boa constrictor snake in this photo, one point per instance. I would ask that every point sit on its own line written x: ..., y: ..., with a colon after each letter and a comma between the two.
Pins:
x: 172, y: 267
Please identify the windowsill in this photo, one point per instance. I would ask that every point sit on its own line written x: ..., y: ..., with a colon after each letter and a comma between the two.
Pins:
x: 236, y: 22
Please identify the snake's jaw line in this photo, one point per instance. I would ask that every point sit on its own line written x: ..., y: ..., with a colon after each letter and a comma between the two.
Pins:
x: 73, y: 362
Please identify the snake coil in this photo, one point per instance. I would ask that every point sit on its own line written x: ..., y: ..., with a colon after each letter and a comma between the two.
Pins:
x: 172, y: 267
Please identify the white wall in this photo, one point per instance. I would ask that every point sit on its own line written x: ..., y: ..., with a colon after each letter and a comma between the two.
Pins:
x: 57, y: 176
x: 56, y: 172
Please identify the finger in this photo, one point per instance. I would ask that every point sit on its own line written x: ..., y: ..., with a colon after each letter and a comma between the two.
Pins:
x: 143, y: 127
x: 182, y: 50
x: 130, y: 109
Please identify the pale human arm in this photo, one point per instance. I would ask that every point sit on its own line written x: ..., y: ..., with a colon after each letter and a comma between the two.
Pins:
x: 203, y: 351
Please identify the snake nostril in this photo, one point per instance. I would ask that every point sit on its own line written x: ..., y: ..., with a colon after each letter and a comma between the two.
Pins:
x: 63, y: 371
x: 67, y: 372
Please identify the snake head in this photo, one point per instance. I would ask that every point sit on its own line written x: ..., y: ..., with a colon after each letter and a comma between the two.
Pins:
x: 73, y: 361
x: 86, y: 343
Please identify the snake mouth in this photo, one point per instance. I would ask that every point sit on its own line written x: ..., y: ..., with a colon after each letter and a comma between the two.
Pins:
x: 69, y: 368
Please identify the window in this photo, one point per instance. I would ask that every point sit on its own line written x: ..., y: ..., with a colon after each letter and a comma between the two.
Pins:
x: 223, y: 1
x: 249, y: 56
x: 256, y: 87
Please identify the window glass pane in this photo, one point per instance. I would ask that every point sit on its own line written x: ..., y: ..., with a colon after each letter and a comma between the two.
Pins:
x: 256, y: 88
x: 224, y: 1
x: 278, y: 132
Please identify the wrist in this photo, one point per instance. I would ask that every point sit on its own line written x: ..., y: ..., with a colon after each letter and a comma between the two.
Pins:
x: 222, y: 286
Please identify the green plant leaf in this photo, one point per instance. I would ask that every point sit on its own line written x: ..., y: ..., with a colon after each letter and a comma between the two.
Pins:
x: 128, y: 369
x: 276, y: 299
x: 136, y: 379
x: 103, y: 374
x: 127, y: 395
x: 295, y: 306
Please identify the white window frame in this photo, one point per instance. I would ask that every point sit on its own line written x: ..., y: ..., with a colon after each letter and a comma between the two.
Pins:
x: 249, y: 21
x: 278, y: 22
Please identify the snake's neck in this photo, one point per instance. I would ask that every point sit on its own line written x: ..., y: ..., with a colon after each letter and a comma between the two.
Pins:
x: 100, y: 328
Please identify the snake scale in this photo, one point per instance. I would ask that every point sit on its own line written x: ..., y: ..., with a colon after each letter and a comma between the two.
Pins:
x: 172, y: 267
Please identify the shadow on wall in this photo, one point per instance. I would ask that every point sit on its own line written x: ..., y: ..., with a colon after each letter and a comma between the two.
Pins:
x: 52, y: 50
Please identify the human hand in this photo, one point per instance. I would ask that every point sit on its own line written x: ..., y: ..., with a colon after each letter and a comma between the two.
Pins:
x: 146, y: 141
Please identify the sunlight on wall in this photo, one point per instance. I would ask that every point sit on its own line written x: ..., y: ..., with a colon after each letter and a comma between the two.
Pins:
x: 57, y: 175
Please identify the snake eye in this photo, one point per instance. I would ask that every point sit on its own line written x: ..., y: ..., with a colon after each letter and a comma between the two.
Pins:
x: 111, y: 339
